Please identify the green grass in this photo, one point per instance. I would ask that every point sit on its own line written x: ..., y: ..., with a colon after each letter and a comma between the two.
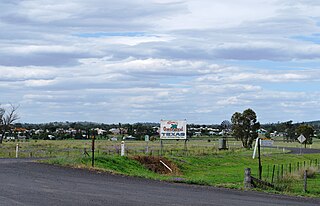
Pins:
x: 111, y: 164
x: 223, y: 170
x: 203, y: 164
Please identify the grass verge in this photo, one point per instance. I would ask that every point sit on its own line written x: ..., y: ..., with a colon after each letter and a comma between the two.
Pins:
x: 223, y: 170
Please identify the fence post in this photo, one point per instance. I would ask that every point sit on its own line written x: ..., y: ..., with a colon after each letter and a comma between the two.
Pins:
x: 274, y: 167
x: 247, y: 178
x: 290, y: 168
x: 305, y: 181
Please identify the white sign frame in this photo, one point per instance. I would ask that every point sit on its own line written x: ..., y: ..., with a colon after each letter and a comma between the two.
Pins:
x: 173, y: 129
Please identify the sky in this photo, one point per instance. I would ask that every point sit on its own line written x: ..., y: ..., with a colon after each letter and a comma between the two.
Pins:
x: 127, y: 61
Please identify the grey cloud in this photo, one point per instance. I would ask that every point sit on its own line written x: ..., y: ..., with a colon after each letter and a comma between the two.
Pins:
x: 99, y: 15
x: 48, y: 59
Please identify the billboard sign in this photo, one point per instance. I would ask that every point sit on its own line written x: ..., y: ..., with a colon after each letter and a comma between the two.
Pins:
x: 173, y: 129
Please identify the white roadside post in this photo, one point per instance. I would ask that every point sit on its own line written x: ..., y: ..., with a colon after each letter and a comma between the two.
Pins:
x: 146, y: 139
x: 122, y: 148
x: 255, y: 148
x: 17, y: 150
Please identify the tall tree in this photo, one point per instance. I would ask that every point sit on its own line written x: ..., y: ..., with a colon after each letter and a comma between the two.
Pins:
x: 307, y: 132
x: 7, y: 117
x: 245, y: 126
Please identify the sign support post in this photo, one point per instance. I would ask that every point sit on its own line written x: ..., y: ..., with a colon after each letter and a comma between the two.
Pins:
x: 257, y: 145
x: 185, y: 145
x: 161, y: 147
x: 260, y: 166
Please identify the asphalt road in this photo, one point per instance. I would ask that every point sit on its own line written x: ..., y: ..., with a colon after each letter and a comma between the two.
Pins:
x: 296, y: 150
x: 26, y: 183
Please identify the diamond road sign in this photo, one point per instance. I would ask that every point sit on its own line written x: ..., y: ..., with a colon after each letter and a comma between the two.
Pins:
x: 301, y: 138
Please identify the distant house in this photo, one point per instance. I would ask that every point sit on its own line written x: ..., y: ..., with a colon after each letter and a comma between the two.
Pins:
x: 113, y: 139
x: 114, y: 131
x: 129, y: 138
x: 51, y: 137
x: 100, y: 131
x: 197, y: 134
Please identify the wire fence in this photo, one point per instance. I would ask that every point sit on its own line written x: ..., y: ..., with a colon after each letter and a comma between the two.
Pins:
x: 301, y: 176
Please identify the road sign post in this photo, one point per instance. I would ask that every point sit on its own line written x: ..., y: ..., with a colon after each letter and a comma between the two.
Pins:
x: 260, y: 166
x: 257, y: 146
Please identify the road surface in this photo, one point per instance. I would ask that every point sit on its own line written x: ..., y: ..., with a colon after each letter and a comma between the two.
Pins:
x: 27, y: 183
x: 296, y: 150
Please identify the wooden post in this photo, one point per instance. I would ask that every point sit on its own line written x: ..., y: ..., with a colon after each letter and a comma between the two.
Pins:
x: 161, y: 147
x: 290, y: 168
x: 274, y: 167
x: 247, y: 179
x: 185, y: 145
x: 92, y: 150
x: 305, y: 181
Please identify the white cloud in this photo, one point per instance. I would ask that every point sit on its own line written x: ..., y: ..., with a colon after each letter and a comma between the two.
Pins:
x: 200, y: 60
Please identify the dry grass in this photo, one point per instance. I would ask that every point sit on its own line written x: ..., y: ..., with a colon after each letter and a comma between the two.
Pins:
x: 154, y: 164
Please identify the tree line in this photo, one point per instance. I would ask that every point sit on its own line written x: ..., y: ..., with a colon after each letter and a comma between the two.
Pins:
x: 244, y: 126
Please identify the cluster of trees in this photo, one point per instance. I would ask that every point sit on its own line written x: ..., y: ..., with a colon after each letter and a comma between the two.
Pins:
x: 245, y: 128
x: 8, y: 115
x: 80, y: 130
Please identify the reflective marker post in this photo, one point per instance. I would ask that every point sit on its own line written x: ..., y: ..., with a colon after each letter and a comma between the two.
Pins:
x: 17, y: 150
x: 146, y: 139
x: 122, y: 148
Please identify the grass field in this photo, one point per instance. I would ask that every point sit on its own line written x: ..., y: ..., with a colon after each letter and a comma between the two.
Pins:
x: 48, y: 148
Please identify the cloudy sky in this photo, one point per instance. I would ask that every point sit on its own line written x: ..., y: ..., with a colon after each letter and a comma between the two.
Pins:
x: 144, y: 60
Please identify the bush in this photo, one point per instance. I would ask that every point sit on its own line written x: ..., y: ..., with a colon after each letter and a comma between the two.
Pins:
x: 311, y: 172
